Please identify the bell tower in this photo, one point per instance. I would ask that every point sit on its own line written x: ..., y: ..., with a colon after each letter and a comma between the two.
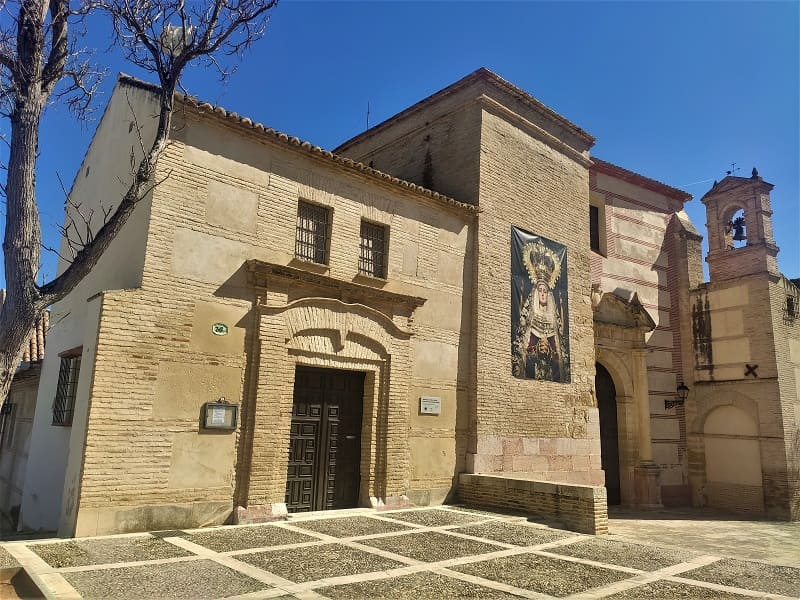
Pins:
x: 739, y: 223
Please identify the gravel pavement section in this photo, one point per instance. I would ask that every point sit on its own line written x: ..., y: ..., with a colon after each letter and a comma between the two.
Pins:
x: 431, y: 546
x: 774, y: 579
x: 514, y: 533
x: 7, y: 561
x: 417, y: 586
x: 434, y: 517
x: 350, y: 526
x: 80, y: 553
x: 635, y: 556
x: 198, y: 579
x: 318, y: 562
x: 663, y: 590
x: 243, y: 538
x: 542, y: 574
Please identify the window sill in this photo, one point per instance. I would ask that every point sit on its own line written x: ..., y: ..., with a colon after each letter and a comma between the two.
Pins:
x: 370, y: 280
x: 308, y: 265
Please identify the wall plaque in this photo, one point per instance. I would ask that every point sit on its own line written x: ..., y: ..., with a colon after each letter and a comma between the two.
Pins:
x: 430, y: 405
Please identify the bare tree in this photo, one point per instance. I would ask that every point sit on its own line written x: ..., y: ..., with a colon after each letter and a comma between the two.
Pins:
x: 39, y: 63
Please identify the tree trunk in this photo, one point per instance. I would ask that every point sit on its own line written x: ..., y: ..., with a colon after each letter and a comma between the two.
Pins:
x: 22, y: 242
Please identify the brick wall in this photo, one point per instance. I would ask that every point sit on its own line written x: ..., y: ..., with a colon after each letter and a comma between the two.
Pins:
x: 578, y: 507
x: 231, y: 196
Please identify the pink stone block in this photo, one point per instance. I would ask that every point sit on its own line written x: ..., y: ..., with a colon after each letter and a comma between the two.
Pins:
x: 530, y: 446
x: 513, y: 446
x: 560, y: 463
x: 548, y: 446
x: 490, y: 445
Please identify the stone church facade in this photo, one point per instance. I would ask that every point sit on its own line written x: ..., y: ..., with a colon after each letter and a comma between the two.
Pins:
x: 354, y: 309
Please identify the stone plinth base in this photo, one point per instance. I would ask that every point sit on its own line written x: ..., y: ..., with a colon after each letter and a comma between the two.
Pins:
x: 648, y: 487
x: 390, y: 502
x: 581, y: 508
x: 260, y: 513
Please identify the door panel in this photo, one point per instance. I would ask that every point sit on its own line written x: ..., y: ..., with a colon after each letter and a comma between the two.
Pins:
x: 325, y: 440
x: 609, y: 434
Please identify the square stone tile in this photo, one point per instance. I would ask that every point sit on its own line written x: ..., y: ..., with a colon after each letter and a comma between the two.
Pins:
x: 416, y: 586
x: 350, y: 526
x: 435, y: 517
x: 318, y: 562
x: 761, y: 577
x: 80, y: 553
x: 190, y: 579
x: 514, y: 533
x: 660, y: 590
x: 431, y: 546
x: 625, y: 554
x: 242, y: 538
x: 542, y: 574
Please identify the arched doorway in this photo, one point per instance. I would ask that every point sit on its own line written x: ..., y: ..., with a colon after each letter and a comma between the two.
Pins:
x: 609, y: 432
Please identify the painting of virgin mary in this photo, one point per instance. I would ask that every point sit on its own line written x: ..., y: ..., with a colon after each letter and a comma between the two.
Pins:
x: 539, y: 317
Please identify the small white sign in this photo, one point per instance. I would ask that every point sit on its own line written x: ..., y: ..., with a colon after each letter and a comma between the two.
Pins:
x: 430, y: 405
x: 218, y: 415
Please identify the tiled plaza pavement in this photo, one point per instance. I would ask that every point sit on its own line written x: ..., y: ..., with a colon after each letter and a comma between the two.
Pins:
x: 445, y: 552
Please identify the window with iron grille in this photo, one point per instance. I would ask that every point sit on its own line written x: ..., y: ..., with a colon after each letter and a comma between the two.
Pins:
x: 372, y: 260
x: 311, y: 240
x: 64, y: 404
x: 8, y: 413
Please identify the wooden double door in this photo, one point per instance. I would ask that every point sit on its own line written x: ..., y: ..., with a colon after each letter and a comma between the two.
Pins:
x: 325, y: 440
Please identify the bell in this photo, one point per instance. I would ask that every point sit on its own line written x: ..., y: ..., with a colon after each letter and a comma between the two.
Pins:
x: 738, y: 230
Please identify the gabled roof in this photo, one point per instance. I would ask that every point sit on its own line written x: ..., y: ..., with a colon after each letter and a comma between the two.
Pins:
x: 298, y: 144
x: 490, y: 77
x: 607, y: 168
x: 622, y: 308
x: 731, y: 182
x: 34, y: 349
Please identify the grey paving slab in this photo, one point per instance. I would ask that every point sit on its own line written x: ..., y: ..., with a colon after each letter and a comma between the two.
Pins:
x: 661, y: 590
x: 762, y: 577
x: 431, y: 546
x: 710, y: 532
x: 542, y: 574
x: 79, y: 553
x: 514, y: 533
x: 198, y: 579
x: 350, y: 526
x: 243, y: 538
x: 318, y: 562
x: 435, y: 517
x: 626, y: 554
x: 416, y: 586
x: 6, y: 560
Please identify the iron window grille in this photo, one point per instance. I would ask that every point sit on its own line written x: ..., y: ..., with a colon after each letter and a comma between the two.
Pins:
x: 311, y: 240
x: 8, y: 413
x: 64, y: 404
x: 372, y: 259
x: 791, y: 309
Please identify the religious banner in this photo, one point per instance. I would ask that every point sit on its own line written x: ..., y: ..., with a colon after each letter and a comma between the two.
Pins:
x: 539, y: 308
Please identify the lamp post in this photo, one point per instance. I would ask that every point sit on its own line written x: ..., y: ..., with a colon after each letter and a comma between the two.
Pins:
x: 682, y: 392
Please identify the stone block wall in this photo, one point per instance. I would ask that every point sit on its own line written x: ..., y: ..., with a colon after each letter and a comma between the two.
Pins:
x: 580, y: 508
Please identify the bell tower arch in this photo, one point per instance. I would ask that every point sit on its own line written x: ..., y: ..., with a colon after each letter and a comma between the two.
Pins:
x: 739, y: 221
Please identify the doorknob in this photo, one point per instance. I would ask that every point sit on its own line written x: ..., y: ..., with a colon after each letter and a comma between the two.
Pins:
x: 349, y: 437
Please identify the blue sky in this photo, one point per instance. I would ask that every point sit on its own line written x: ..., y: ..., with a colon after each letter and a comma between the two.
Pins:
x: 675, y: 91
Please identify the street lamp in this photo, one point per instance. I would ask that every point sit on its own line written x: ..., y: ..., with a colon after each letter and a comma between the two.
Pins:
x: 682, y: 392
